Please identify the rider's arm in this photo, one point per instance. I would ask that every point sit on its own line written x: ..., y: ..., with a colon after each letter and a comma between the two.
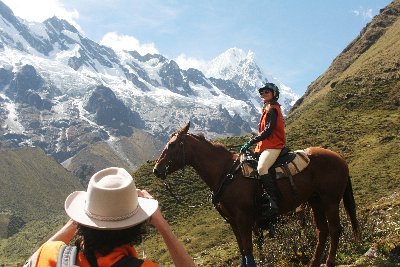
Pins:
x: 176, y: 249
x: 178, y: 253
x: 270, y: 126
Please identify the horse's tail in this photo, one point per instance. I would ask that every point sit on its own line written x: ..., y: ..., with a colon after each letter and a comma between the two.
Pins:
x: 350, y: 206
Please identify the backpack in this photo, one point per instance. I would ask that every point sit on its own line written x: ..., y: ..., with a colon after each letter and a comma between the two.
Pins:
x: 67, y: 258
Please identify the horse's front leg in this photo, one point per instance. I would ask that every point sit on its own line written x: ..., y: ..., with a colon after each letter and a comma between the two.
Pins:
x: 242, y: 227
x: 239, y: 242
x: 246, y: 250
x: 246, y: 259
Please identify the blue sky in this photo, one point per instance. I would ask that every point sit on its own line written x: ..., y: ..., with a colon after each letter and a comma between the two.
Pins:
x: 295, y: 41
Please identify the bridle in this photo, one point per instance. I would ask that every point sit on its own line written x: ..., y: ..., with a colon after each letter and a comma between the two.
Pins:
x: 170, y: 161
x: 215, y: 196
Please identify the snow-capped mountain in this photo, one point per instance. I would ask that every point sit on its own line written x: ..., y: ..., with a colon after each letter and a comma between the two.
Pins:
x: 241, y: 67
x: 62, y: 91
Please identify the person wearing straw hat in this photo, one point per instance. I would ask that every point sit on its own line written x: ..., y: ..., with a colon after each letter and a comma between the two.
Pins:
x: 105, y: 220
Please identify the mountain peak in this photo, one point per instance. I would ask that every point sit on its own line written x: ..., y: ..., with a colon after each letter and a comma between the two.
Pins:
x: 60, y: 24
x: 237, y: 54
x: 226, y: 65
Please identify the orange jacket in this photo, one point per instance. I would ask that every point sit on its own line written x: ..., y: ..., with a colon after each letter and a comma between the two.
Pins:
x: 49, y: 251
x: 276, y: 139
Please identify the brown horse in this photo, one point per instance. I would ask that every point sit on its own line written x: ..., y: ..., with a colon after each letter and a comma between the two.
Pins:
x: 323, y: 184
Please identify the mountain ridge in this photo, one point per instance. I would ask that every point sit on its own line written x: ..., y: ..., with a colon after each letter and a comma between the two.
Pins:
x: 61, y: 91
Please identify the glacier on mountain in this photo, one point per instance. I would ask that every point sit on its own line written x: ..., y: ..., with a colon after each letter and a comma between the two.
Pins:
x: 69, y: 70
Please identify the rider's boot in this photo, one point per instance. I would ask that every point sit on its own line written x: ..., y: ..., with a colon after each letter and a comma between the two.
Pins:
x: 270, y: 207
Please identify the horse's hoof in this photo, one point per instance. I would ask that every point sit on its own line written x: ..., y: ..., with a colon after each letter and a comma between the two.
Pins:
x: 271, y: 232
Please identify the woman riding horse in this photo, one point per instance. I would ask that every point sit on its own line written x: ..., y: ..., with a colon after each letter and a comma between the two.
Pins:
x: 323, y: 184
x: 270, y: 142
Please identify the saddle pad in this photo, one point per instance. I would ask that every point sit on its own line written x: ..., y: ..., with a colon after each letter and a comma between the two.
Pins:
x: 299, y: 163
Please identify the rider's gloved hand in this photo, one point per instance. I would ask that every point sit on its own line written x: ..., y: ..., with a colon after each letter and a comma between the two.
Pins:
x: 245, y: 147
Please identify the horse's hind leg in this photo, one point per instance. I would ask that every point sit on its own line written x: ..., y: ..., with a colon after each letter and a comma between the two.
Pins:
x: 321, y: 231
x: 335, y: 230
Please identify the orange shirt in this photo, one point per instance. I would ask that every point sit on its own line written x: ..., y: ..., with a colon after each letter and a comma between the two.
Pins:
x: 276, y: 140
x: 48, y: 256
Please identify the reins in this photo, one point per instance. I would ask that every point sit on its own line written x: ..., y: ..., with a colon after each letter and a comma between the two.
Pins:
x: 233, y: 148
x: 229, y: 177
x: 215, y: 196
x: 168, y: 188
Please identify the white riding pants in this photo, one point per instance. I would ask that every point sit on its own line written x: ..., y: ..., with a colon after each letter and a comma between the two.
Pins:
x: 267, y: 158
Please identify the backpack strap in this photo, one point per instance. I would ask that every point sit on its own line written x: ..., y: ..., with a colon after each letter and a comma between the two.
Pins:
x: 67, y: 256
x: 128, y: 261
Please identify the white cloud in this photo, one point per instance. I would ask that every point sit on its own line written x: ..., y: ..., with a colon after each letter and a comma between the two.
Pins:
x: 40, y: 10
x: 185, y: 62
x: 125, y: 42
x: 365, y: 14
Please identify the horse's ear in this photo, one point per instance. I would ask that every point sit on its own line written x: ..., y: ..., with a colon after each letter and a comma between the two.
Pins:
x: 185, y: 129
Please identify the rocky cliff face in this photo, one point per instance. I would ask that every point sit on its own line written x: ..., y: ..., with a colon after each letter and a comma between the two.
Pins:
x: 109, y: 111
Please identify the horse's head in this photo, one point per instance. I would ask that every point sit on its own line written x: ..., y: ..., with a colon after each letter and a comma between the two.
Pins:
x: 172, y: 157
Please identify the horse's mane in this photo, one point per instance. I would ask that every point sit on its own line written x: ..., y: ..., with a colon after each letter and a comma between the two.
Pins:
x: 201, y: 137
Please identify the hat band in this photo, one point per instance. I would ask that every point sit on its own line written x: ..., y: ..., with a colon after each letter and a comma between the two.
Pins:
x: 109, y: 218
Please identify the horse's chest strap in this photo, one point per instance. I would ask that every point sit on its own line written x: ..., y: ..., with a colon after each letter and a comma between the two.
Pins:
x: 229, y: 177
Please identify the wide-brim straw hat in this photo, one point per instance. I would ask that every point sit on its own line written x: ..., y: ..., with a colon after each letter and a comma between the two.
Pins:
x: 110, y: 202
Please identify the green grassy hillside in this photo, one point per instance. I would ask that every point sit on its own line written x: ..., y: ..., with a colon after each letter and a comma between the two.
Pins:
x: 381, y: 66
x: 358, y: 112
x: 32, y: 184
x: 33, y: 188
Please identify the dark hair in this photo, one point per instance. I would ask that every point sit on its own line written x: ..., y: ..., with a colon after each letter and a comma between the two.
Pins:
x: 104, y: 241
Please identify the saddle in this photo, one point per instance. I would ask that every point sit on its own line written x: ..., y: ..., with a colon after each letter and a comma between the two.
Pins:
x: 287, y: 164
